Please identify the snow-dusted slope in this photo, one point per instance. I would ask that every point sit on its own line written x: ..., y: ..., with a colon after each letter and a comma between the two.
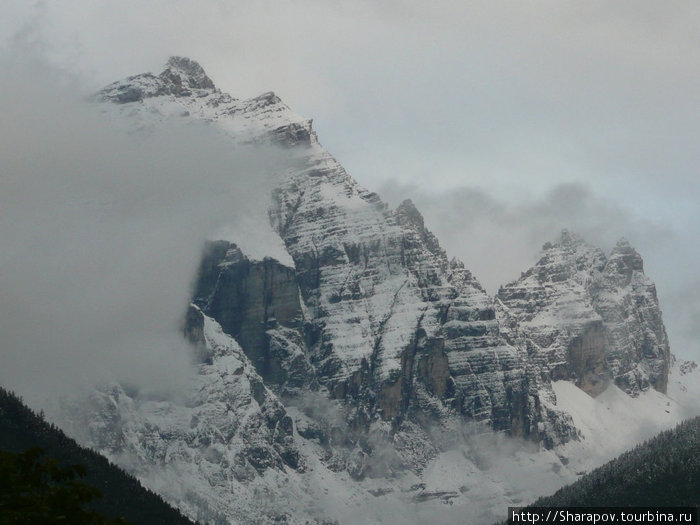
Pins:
x: 210, y: 454
x: 227, y: 430
x: 350, y: 371
x: 684, y: 385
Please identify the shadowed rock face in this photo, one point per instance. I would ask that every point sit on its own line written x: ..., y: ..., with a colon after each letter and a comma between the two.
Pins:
x: 638, y: 352
x: 184, y: 74
x: 586, y: 365
x: 257, y: 303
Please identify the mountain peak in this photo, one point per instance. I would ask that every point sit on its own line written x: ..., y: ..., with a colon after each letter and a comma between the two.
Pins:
x: 625, y: 259
x: 622, y: 242
x: 407, y: 213
x: 568, y: 238
x: 186, y: 73
x: 180, y: 77
x: 370, y: 334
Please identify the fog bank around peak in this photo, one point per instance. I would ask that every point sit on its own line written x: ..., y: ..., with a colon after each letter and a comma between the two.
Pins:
x: 102, y: 231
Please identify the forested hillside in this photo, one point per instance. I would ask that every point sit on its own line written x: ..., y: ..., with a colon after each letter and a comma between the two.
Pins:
x: 664, y: 471
x: 122, y: 495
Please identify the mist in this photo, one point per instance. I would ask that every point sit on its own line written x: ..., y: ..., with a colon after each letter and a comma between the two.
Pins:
x: 101, y: 234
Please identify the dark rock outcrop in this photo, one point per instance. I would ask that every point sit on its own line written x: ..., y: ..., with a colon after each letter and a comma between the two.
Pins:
x: 181, y: 77
x: 257, y: 303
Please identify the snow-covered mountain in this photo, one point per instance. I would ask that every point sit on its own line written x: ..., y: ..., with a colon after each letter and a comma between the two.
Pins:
x: 357, y: 372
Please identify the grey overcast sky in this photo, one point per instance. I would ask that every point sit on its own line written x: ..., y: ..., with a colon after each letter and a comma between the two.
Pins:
x: 504, y: 121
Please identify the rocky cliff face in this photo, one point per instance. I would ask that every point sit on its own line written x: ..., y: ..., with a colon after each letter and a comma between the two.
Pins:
x: 257, y: 303
x: 367, y: 350
x: 392, y: 327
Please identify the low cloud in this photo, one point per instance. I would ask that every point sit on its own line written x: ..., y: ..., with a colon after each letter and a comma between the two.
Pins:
x: 101, y: 233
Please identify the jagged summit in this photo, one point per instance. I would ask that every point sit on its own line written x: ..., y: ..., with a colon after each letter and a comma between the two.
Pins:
x: 625, y: 258
x: 570, y: 253
x: 566, y: 239
x: 184, y: 91
x: 187, y: 73
x: 266, y: 99
x: 408, y: 215
x: 623, y: 243
x: 182, y: 77
x: 408, y: 208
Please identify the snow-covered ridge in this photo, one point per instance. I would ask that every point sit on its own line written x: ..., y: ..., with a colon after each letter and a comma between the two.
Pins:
x: 184, y: 91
